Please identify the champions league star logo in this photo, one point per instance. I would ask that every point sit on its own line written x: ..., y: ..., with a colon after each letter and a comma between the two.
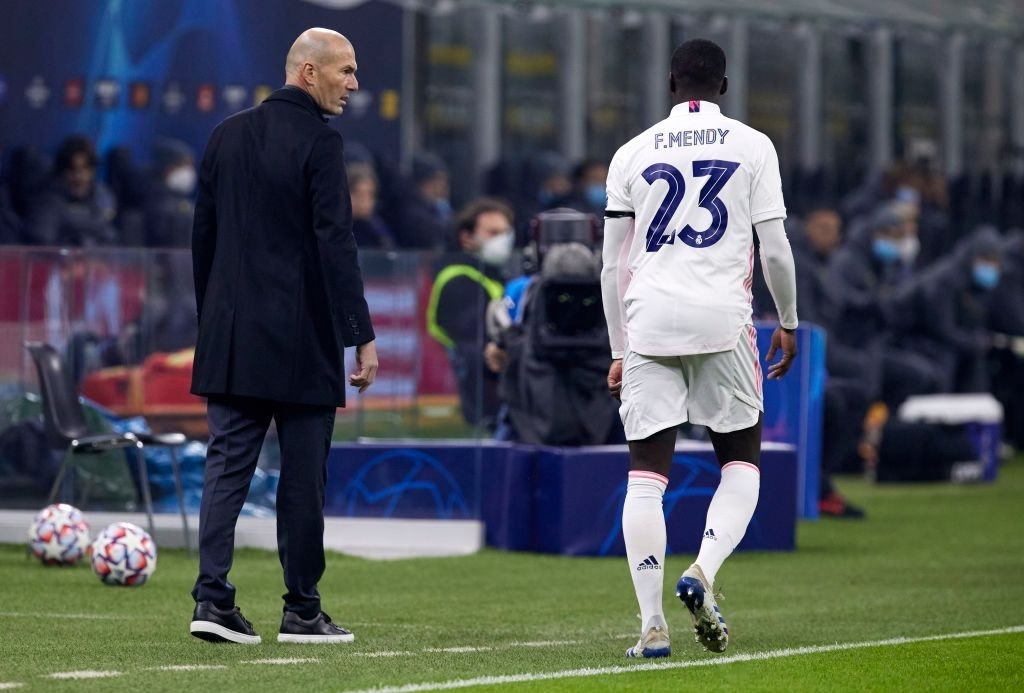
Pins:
x: 108, y: 91
x: 37, y: 93
x: 234, y: 96
x: 174, y: 97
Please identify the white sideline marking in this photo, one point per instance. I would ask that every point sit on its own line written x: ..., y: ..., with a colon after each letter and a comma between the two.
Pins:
x: 84, y: 674
x: 546, y: 643
x: 188, y: 667
x: 717, y: 661
x: 8, y: 685
x: 282, y: 660
x: 385, y: 653
x: 459, y: 650
x: 49, y: 615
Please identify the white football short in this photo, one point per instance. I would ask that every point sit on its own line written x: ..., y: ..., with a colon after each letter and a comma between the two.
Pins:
x: 721, y: 390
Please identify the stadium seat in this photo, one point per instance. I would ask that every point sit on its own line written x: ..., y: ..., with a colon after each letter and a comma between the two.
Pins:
x: 66, y: 428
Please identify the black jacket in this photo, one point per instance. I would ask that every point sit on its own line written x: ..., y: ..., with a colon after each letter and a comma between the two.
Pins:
x: 279, y: 292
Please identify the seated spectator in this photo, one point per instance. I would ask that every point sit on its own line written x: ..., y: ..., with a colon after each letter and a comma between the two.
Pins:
x: 466, y: 282
x: 866, y: 273
x: 170, y: 203
x: 1007, y: 322
x: 545, y: 185
x: 368, y: 228
x: 426, y: 210
x: 947, y: 312
x: 853, y: 380
x: 588, y: 187
x: 76, y: 209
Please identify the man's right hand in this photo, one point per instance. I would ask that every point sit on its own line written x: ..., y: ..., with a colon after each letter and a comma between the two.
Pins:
x: 615, y: 378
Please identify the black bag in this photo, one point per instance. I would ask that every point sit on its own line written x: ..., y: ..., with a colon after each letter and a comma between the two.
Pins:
x: 921, y: 451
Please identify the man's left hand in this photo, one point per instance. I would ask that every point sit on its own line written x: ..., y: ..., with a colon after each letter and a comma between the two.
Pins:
x: 366, y: 366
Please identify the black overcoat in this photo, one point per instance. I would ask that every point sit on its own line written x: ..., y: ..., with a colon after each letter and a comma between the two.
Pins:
x: 279, y: 293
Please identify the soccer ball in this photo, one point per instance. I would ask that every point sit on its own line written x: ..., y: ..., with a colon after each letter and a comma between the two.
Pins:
x: 124, y: 554
x: 59, y: 535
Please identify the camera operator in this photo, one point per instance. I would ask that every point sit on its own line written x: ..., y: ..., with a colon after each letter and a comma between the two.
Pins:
x: 549, y: 340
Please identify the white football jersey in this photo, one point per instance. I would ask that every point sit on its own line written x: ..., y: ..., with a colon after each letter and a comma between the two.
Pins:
x: 696, y: 182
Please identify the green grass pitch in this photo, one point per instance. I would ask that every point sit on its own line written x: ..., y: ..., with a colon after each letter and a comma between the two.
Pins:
x: 926, y: 594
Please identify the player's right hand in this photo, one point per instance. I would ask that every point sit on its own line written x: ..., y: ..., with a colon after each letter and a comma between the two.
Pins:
x: 615, y: 378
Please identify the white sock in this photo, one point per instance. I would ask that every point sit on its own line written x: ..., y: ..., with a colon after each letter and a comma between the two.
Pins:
x: 730, y: 511
x: 643, y: 530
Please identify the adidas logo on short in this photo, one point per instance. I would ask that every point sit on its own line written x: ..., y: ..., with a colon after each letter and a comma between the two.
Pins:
x: 710, y: 534
x: 649, y: 563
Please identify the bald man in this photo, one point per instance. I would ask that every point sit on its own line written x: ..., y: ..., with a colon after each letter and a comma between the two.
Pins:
x: 279, y: 296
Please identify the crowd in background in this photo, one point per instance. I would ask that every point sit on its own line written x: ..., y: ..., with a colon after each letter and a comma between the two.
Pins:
x: 918, y: 282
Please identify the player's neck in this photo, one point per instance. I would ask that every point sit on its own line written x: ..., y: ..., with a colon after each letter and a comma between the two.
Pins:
x: 693, y: 95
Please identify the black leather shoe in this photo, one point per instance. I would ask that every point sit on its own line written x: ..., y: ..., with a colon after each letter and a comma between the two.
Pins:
x: 222, y: 625
x: 318, y: 629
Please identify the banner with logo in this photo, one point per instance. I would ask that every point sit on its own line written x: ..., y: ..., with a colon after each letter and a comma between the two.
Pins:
x: 125, y: 72
x: 549, y: 499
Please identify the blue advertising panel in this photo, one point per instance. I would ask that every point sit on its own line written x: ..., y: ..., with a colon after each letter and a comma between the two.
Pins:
x: 548, y: 499
x: 580, y: 492
x: 471, y: 480
x: 793, y: 410
x: 124, y: 72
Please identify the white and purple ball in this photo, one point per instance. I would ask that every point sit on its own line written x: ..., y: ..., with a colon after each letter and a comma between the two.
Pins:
x: 59, y: 535
x: 124, y: 554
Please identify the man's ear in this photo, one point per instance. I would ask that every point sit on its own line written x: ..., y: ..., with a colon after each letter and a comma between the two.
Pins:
x: 725, y: 85
x: 308, y: 72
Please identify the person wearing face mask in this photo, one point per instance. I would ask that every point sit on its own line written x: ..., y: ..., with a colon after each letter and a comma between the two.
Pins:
x: 466, y: 282
x: 950, y: 311
x: 170, y: 202
x: 589, y: 194
x: 867, y: 274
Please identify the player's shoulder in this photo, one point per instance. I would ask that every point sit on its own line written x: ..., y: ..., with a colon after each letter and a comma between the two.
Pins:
x: 749, y: 134
x: 638, y: 143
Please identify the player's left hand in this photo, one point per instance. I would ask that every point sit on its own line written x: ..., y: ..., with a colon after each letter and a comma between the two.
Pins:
x: 615, y: 378
x: 786, y: 341
x: 366, y: 366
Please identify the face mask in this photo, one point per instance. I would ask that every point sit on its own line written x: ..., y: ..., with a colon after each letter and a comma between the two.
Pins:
x: 885, y: 250
x: 181, y: 180
x: 909, y: 248
x: 497, y: 250
x: 595, y: 196
x: 985, y: 275
x: 905, y: 193
x: 443, y: 207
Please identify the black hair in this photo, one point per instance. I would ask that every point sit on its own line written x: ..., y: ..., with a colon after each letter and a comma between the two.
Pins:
x: 699, y: 63
x: 72, y: 146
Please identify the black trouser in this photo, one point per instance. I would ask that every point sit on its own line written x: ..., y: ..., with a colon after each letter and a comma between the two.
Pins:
x: 238, y: 426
